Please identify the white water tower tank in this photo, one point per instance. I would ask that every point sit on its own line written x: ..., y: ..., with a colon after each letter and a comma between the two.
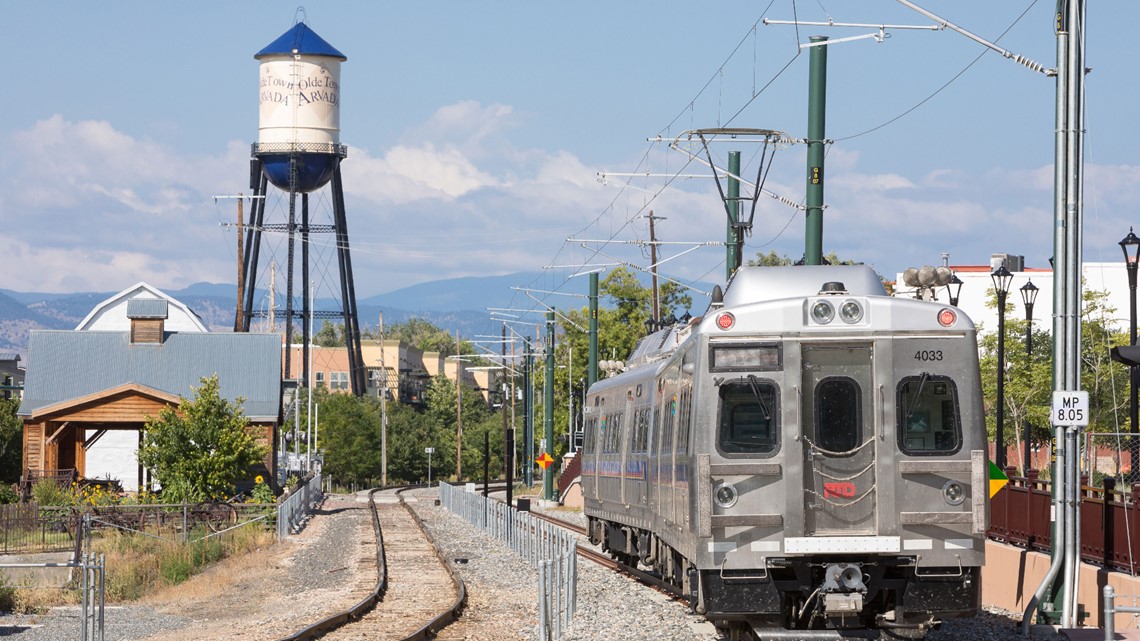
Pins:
x: 299, y: 98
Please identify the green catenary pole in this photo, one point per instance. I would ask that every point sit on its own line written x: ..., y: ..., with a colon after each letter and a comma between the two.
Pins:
x: 732, y: 206
x: 817, y: 113
x: 593, y: 365
x: 548, y: 409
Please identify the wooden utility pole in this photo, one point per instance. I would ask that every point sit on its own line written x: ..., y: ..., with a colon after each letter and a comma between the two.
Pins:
x: 239, y: 317
x: 653, y: 266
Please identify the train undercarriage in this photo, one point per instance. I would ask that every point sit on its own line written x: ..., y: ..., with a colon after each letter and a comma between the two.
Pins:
x: 808, y: 597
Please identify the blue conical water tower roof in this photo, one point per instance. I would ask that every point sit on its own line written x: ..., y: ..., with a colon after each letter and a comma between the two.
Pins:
x: 304, y: 41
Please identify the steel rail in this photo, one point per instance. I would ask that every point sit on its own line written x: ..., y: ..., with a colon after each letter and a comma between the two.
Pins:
x: 359, y: 610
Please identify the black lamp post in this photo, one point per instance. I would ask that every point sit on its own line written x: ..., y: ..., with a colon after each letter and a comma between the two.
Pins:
x: 1001, y: 277
x: 953, y: 288
x: 1130, y: 245
x: 1028, y: 296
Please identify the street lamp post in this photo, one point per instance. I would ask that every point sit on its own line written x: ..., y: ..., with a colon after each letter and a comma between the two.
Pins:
x: 1130, y: 245
x: 953, y: 288
x: 1028, y: 297
x: 1001, y: 278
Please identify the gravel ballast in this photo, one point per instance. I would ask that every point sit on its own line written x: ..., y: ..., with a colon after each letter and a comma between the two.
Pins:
x: 314, y: 568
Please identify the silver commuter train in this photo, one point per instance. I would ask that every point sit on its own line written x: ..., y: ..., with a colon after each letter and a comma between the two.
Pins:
x: 808, y: 460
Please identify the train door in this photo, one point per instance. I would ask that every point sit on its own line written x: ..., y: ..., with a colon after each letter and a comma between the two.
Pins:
x: 839, y: 440
x: 638, y: 450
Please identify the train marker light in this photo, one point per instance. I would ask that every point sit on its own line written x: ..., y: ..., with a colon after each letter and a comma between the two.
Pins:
x: 726, y: 495
x: 953, y: 492
x: 822, y: 312
x: 725, y: 320
x: 947, y: 318
x: 851, y: 312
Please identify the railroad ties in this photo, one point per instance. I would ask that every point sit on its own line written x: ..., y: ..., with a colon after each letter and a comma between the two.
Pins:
x: 419, y: 594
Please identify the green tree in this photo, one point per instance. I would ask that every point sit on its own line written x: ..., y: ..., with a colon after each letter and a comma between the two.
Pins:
x: 349, y: 436
x: 330, y: 335
x: 201, y: 449
x: 11, y: 441
x: 1029, y: 378
x: 423, y: 335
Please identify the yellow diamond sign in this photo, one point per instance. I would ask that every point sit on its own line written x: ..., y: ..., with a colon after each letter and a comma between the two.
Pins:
x: 544, y: 460
x: 998, y: 479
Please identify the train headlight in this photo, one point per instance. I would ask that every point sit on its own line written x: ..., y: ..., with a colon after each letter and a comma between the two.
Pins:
x: 953, y: 492
x: 851, y: 312
x: 947, y: 318
x: 725, y: 320
x: 726, y: 495
x: 822, y: 312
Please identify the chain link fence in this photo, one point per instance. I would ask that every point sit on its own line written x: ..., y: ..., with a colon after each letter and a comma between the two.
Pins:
x: 544, y: 546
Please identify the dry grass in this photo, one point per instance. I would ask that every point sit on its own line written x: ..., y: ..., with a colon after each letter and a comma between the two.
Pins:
x: 144, y: 568
x: 220, y: 576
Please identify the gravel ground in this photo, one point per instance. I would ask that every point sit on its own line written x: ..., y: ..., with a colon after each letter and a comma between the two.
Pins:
x: 291, y: 583
x: 263, y: 596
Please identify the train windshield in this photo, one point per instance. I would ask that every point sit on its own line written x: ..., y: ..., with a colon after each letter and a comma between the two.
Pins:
x: 838, y: 414
x: 749, y: 416
x: 928, y: 415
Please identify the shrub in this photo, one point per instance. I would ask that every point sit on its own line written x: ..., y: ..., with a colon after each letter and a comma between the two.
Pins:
x: 48, y: 492
x: 7, y: 595
x: 8, y: 494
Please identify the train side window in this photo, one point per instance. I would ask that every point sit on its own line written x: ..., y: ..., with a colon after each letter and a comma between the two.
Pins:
x: 683, y: 428
x: 928, y: 417
x: 641, y: 431
x: 749, y: 417
x: 838, y: 414
x: 590, y: 438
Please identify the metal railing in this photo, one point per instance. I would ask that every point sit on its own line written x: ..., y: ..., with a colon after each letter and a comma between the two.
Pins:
x: 1110, y: 610
x: 1109, y: 519
x: 93, y: 586
x: 292, y: 512
x: 547, y: 548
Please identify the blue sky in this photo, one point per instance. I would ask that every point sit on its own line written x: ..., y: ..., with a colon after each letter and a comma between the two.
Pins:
x: 476, y: 131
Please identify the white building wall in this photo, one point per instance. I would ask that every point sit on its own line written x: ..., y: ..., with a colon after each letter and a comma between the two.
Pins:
x: 111, y: 314
x: 115, y: 456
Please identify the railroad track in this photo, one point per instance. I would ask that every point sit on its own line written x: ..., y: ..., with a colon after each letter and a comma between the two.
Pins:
x: 604, y: 560
x: 416, y: 592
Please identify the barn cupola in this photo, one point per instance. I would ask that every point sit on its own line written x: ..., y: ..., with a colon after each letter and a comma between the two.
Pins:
x: 148, y: 319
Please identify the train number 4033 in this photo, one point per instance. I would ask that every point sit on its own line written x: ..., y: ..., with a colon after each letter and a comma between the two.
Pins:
x: 928, y: 355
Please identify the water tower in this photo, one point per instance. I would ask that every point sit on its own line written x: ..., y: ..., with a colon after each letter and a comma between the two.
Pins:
x: 298, y: 152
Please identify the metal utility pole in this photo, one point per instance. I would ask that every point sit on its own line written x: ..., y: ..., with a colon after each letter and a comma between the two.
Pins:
x: 653, y: 266
x: 548, y: 410
x: 733, y: 240
x: 592, y: 374
x: 383, y: 407
x: 1061, y: 579
x: 458, y: 414
x: 817, y: 114
x: 508, y: 432
x: 528, y: 413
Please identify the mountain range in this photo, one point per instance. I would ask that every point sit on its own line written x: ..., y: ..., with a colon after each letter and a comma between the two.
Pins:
x: 456, y: 304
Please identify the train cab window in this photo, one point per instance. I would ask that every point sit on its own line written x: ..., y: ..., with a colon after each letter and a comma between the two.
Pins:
x: 838, y: 414
x: 749, y: 417
x: 928, y: 417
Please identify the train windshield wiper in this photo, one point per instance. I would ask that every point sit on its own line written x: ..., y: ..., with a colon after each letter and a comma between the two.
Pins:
x: 759, y: 397
x: 918, y: 394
